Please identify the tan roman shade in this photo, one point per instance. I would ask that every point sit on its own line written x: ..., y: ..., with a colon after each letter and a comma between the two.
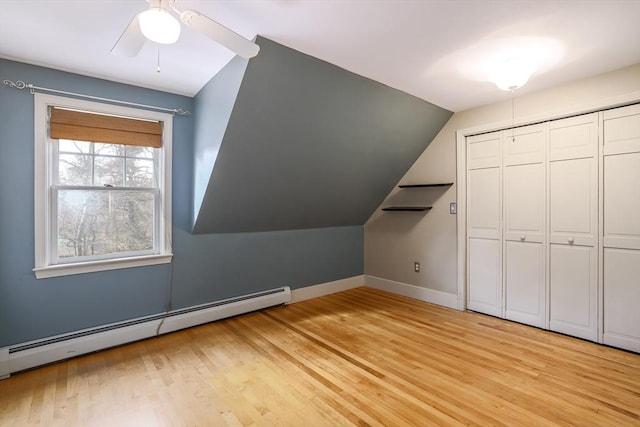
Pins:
x: 67, y: 124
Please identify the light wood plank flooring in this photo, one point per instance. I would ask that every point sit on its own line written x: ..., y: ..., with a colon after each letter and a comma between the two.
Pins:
x: 360, y: 357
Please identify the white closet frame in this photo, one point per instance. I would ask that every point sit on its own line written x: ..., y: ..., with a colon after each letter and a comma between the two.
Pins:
x: 461, y: 176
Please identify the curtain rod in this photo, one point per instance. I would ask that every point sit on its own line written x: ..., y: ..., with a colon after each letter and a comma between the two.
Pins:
x: 19, y: 84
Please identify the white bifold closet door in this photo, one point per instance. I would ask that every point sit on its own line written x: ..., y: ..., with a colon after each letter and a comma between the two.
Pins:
x: 621, y: 226
x: 484, y: 248
x: 573, y: 222
x: 524, y: 225
x: 553, y: 225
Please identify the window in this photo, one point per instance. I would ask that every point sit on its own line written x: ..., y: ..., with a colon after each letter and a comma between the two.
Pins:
x: 102, y: 186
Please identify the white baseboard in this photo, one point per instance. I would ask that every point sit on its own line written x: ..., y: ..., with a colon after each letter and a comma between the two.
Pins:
x: 202, y: 316
x: 328, y: 288
x: 412, y: 291
x: 42, y: 355
x: 28, y: 355
x: 17, y: 358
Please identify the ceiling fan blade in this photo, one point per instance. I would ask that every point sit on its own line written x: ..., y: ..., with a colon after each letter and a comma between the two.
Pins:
x: 219, y: 33
x: 131, y: 40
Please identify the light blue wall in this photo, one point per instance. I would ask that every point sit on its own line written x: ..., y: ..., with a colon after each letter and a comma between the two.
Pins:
x: 213, y: 106
x: 205, y: 268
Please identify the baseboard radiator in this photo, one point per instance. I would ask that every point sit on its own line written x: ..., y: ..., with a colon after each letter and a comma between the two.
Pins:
x: 40, y: 352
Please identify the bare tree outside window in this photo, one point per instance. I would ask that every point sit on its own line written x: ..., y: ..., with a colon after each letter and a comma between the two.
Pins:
x: 106, y: 199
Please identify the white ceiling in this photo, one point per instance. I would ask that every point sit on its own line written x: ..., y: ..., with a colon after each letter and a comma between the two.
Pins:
x: 437, y: 50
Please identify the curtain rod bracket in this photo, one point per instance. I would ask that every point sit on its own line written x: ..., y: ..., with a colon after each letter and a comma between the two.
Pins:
x: 19, y: 84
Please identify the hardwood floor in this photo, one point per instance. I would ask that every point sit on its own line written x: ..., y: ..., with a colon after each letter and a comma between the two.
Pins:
x: 360, y: 357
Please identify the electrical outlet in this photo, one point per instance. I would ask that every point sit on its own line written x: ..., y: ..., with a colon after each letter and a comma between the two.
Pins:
x: 453, y: 208
x: 416, y: 267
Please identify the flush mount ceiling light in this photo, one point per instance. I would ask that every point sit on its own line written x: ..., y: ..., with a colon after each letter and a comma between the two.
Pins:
x: 512, y: 73
x: 159, y: 26
x: 485, y: 59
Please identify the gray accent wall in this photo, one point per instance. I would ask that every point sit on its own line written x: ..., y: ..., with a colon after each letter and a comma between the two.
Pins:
x: 308, y: 144
x: 205, y: 268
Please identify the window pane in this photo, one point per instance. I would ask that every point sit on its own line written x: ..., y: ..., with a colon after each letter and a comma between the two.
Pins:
x: 93, y: 223
x: 109, y: 149
x: 139, y: 173
x: 69, y: 146
x: 74, y: 169
x: 133, y: 151
x: 109, y: 171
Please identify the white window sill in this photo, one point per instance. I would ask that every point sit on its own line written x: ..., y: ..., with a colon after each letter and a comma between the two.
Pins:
x: 102, y: 265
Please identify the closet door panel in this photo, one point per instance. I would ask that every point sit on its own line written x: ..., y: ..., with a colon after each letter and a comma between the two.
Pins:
x: 621, y: 130
x: 485, y: 276
x: 524, y: 202
x: 621, y: 227
x: 484, y: 223
x: 622, y: 298
x: 525, y: 279
x: 573, y: 226
x: 484, y: 201
x: 622, y: 201
x: 573, y: 138
x: 483, y: 151
x: 573, y: 300
x: 523, y: 145
x: 573, y: 199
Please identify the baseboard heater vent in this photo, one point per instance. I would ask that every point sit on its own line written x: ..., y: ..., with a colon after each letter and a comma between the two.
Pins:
x: 35, y: 353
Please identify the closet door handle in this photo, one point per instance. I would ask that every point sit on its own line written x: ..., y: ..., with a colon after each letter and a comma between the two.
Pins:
x: 522, y: 238
x: 571, y: 240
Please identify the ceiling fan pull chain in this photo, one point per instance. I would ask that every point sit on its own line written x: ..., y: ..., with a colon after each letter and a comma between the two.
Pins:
x: 158, y: 65
x: 513, y: 115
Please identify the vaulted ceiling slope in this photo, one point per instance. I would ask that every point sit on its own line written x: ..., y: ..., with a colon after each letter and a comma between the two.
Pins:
x: 287, y: 141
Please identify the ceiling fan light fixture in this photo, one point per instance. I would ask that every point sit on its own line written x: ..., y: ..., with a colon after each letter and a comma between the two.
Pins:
x: 159, y: 26
x: 512, y: 74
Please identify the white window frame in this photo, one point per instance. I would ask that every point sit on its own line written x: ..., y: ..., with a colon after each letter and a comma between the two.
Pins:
x: 44, y: 203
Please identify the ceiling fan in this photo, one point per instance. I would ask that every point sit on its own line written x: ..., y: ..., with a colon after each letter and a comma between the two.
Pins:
x: 159, y: 25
